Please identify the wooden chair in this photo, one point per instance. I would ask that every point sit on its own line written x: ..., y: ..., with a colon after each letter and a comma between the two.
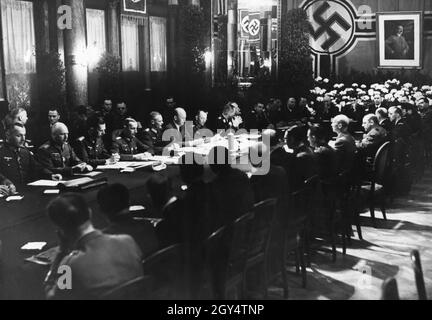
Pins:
x: 418, y: 272
x: 136, y: 289
x: 379, y: 180
x: 229, y: 259
x: 169, y: 268
x: 259, y: 242
x: 390, y: 290
x: 297, y: 229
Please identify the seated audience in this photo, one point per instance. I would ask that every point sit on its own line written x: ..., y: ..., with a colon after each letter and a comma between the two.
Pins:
x: 127, y: 144
x: 57, y: 156
x: 114, y: 203
x: 98, y: 262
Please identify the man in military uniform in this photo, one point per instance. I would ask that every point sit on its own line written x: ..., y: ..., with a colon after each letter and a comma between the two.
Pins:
x: 127, y: 144
x: 91, y: 148
x: 17, y: 163
x: 152, y: 136
x: 57, y: 156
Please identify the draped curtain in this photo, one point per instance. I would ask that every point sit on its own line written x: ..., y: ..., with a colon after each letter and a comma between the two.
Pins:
x: 130, y: 43
x: 18, y: 37
x: 158, y: 46
x: 96, y: 36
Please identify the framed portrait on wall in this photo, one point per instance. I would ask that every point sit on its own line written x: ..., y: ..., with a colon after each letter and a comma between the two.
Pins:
x: 400, y: 39
x: 137, y: 7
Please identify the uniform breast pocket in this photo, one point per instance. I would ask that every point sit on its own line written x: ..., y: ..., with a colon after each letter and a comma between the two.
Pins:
x: 57, y: 159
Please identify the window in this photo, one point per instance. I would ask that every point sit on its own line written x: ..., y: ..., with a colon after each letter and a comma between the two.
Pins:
x: 130, y: 43
x: 96, y: 36
x: 158, y: 48
x: 18, y: 37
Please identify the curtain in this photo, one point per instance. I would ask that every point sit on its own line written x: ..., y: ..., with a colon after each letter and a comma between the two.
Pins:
x: 96, y: 37
x: 130, y: 43
x: 18, y: 37
x: 158, y: 47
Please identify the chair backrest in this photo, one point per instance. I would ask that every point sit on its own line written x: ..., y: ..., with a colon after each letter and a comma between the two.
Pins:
x: 213, y: 245
x: 382, y: 164
x: 136, y: 289
x: 239, y: 242
x: 418, y: 273
x: 169, y: 267
x: 262, y: 225
x: 390, y: 290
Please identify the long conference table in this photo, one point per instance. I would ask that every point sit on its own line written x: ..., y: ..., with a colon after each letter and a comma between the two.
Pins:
x: 25, y: 220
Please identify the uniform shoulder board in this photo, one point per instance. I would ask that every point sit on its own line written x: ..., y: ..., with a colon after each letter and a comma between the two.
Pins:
x: 81, y: 139
x: 147, y: 130
x: 31, y: 153
x: 45, y: 146
x: 118, y: 138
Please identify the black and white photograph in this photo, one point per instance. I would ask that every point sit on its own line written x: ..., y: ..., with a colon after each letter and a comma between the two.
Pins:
x: 210, y: 157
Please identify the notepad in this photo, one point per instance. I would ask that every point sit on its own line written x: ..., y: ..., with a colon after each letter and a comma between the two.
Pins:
x: 14, y: 198
x: 44, y: 183
x: 34, y: 246
x: 55, y: 191
x: 90, y: 174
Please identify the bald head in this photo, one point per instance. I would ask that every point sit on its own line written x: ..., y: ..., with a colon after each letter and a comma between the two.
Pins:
x: 340, y: 123
x: 60, y: 133
x: 180, y: 116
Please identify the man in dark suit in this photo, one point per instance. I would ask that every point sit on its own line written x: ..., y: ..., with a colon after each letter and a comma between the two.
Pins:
x: 325, y: 156
x: 345, y: 144
x: 97, y: 262
x: 114, y: 203
x: 295, y: 157
x: 180, y: 132
x: 383, y: 120
x: 374, y: 138
x: 231, y: 191
x: 401, y: 130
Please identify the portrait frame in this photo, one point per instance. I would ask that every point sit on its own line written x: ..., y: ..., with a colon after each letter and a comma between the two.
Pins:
x: 134, y: 7
x: 405, y: 51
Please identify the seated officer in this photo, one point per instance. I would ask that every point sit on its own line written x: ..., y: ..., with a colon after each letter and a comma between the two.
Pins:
x: 91, y: 149
x: 57, y: 156
x: 17, y: 163
x: 127, y: 144
x: 152, y: 136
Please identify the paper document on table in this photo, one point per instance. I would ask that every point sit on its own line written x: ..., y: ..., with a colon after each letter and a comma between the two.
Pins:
x: 34, y: 246
x: 44, y: 183
x: 76, y: 182
x: 166, y: 159
x: 90, y: 174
